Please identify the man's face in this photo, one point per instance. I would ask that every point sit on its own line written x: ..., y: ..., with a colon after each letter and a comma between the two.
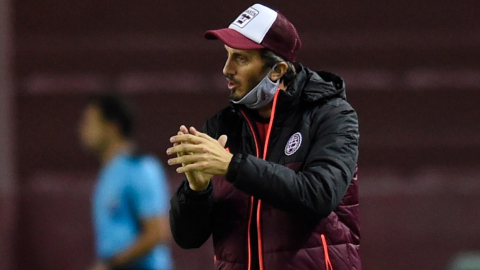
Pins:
x: 244, y: 69
x: 92, y: 129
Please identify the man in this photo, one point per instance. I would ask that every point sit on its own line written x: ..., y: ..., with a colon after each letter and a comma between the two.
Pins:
x: 272, y: 178
x: 130, y: 201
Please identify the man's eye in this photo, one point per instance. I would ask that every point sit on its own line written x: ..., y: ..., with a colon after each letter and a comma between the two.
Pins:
x: 241, y: 59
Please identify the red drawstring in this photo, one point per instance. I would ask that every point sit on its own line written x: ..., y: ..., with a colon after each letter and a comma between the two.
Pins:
x: 328, y: 264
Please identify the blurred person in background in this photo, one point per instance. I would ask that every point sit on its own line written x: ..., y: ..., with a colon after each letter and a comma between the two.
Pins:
x: 130, y: 200
x: 272, y: 177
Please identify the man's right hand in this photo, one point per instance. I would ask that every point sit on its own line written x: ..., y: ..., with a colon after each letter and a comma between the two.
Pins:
x: 198, y: 180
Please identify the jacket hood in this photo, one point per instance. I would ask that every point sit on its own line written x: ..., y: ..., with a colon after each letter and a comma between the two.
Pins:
x: 311, y: 86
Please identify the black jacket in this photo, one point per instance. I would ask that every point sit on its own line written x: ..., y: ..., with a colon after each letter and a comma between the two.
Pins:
x: 295, y: 183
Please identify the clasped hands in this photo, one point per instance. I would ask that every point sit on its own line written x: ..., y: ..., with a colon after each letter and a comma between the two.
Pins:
x: 200, y: 155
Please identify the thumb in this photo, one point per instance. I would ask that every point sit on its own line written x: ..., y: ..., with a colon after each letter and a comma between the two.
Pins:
x: 223, y: 140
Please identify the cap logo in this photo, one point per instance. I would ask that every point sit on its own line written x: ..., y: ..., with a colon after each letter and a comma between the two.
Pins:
x: 293, y: 144
x: 246, y: 17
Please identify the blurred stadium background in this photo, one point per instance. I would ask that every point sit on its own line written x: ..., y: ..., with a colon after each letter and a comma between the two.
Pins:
x: 412, y: 71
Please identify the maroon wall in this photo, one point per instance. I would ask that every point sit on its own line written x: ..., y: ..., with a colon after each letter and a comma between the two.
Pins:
x: 412, y: 73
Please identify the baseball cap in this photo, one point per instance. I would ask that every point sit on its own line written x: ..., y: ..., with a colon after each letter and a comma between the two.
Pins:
x: 260, y: 27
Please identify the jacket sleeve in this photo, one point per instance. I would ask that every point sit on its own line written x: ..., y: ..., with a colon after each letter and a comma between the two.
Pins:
x: 190, y: 216
x: 326, y: 173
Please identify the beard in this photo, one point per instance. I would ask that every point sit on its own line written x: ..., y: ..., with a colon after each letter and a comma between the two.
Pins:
x: 233, y: 92
x: 233, y: 96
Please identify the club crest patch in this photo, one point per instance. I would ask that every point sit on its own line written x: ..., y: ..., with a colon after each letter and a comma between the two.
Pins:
x: 293, y: 144
x: 246, y: 17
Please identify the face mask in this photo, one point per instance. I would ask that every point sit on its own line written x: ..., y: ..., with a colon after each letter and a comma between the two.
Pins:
x: 260, y: 95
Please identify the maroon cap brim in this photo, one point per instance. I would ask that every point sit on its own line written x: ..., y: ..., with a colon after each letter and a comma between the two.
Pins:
x: 233, y: 39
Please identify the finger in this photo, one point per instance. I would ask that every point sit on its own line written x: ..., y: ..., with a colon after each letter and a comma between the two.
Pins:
x: 184, y: 129
x: 223, y: 140
x: 197, y: 166
x: 176, y: 144
x: 201, y: 134
x: 187, y: 148
x: 187, y: 138
x: 204, y: 167
x: 178, y: 133
x: 193, y: 130
x: 187, y: 159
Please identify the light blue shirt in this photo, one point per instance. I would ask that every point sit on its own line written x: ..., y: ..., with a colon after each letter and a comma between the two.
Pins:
x: 128, y: 190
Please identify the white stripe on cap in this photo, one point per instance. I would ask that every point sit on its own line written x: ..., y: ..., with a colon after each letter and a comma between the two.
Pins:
x: 255, y: 22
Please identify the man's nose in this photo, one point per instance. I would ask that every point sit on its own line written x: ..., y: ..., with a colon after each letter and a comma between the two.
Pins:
x: 228, y: 68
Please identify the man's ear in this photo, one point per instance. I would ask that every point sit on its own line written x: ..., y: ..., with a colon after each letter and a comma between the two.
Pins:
x: 278, y: 71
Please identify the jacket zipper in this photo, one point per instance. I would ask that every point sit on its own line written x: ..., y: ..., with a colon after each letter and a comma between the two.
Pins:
x: 252, y: 199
